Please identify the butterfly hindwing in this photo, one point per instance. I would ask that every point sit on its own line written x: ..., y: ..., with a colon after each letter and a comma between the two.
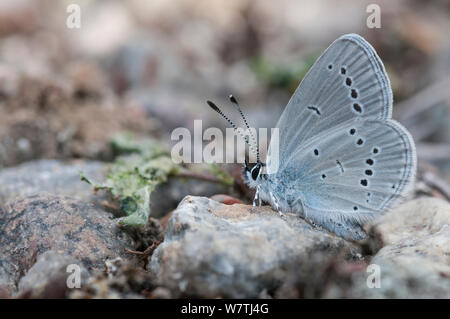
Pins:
x: 352, y: 173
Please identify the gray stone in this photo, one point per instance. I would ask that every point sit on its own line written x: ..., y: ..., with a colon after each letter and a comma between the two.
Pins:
x: 414, y: 257
x: 168, y: 195
x: 51, y: 176
x: 211, y: 249
x: 5, y: 284
x: 49, y: 275
x: 30, y: 226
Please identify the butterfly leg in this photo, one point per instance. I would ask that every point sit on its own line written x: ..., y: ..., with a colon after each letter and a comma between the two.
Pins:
x: 257, y: 197
x: 277, y: 205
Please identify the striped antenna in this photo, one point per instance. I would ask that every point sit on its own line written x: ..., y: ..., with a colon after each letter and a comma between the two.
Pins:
x: 255, y: 144
x: 245, y: 138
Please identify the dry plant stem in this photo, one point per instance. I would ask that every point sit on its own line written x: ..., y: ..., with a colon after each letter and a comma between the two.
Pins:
x: 147, y: 252
x: 108, y: 205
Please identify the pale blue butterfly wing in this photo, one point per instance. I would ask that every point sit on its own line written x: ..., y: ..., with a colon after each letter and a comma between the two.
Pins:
x: 348, y: 80
x: 342, y: 160
x: 350, y: 174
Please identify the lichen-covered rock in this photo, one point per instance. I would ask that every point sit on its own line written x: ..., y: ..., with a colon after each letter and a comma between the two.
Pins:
x: 30, y: 226
x: 211, y: 249
x: 62, y: 178
x: 49, y: 276
x: 51, y: 176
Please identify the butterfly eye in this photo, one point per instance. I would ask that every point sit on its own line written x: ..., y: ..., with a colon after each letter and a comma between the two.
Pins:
x: 255, y: 172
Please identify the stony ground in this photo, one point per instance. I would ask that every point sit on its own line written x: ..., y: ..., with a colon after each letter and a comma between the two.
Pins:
x: 205, y: 248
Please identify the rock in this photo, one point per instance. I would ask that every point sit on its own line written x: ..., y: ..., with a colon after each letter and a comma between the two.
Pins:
x: 48, y: 276
x: 211, y: 249
x: 55, y: 177
x: 35, y: 224
x: 226, y: 199
x: 320, y: 276
x: 5, y: 284
x: 415, y: 256
x: 121, y: 280
x: 168, y: 195
x: 414, y: 220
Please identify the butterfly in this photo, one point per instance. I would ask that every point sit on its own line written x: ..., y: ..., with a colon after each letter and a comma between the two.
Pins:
x: 340, y: 159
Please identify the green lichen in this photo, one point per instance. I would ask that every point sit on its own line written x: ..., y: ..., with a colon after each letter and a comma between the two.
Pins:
x: 139, y: 167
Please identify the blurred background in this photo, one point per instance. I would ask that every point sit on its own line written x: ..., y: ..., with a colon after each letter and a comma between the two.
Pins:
x: 147, y: 67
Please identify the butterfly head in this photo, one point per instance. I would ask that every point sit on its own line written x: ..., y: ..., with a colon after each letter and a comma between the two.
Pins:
x: 252, y: 173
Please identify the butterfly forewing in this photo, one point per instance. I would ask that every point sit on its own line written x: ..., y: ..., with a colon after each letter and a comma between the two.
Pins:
x: 347, y: 81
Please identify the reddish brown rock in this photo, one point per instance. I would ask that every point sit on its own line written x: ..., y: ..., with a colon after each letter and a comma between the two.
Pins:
x: 33, y: 225
x: 226, y: 199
